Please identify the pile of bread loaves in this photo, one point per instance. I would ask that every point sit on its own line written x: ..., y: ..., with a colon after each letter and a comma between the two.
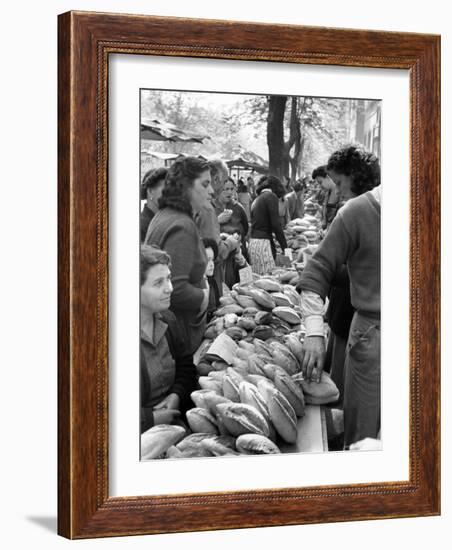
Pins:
x: 263, y: 309
x: 251, y: 403
x: 302, y: 232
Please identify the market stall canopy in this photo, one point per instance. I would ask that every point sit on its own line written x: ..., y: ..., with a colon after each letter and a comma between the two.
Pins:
x: 158, y: 130
x: 248, y: 160
x: 162, y: 156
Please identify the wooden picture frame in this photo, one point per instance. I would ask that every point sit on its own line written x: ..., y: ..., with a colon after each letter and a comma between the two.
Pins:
x: 85, y: 42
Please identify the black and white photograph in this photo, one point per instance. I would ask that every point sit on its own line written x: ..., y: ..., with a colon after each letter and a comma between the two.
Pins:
x: 213, y: 335
x: 260, y: 249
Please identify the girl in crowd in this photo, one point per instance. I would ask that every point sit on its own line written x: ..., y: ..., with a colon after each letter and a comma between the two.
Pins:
x: 264, y: 222
x: 187, y: 191
x: 214, y: 294
x: 235, y: 221
x: 167, y: 373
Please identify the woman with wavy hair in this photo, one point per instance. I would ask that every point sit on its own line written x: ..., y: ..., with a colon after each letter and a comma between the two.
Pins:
x: 354, y: 171
x: 354, y: 240
x: 187, y: 191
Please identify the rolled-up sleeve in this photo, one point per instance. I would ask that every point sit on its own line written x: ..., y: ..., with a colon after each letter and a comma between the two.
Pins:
x: 312, y: 308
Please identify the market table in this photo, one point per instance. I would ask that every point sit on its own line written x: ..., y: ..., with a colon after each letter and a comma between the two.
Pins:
x: 311, y: 432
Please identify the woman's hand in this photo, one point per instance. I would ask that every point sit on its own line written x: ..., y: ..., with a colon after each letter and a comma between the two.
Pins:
x: 233, y: 242
x: 166, y: 416
x: 167, y: 411
x: 171, y: 401
x: 313, y: 358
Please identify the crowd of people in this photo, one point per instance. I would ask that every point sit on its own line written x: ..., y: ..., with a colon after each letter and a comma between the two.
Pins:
x: 200, y: 227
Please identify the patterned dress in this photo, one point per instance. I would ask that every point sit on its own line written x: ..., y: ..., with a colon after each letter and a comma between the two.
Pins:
x: 261, y: 257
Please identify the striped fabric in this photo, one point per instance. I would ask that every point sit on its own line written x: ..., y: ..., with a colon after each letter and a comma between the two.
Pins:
x: 261, y: 257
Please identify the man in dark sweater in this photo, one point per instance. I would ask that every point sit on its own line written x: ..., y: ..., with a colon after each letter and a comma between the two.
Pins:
x: 354, y: 240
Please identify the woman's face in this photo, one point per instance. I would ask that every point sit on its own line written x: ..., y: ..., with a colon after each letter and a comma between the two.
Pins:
x: 156, y: 289
x: 201, y: 191
x: 343, y: 184
x: 227, y: 193
x: 210, y: 265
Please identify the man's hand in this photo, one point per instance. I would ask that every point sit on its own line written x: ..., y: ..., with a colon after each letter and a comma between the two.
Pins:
x: 171, y: 401
x: 313, y: 358
x: 166, y: 416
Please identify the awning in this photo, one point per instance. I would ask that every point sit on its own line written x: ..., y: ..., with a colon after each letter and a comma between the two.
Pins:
x: 249, y: 161
x: 161, y: 156
x: 157, y: 130
x: 242, y: 163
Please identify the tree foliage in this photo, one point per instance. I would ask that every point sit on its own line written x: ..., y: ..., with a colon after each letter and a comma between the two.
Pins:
x: 308, y: 131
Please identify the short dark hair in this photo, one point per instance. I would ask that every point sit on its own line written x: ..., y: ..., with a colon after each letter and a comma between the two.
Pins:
x: 152, y: 179
x: 276, y: 186
x: 363, y: 167
x: 151, y: 255
x: 320, y: 171
x: 179, y: 180
x: 270, y: 182
x: 210, y: 243
x: 262, y: 183
x: 297, y: 186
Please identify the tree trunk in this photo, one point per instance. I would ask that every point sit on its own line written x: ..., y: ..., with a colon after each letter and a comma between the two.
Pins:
x: 294, y: 141
x: 275, y: 135
x: 360, y: 118
x: 295, y: 161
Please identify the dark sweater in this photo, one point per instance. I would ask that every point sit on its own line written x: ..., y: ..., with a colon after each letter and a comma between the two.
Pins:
x: 176, y: 233
x: 354, y: 240
x: 265, y: 219
x: 185, y: 379
x: 340, y: 311
x: 145, y: 219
